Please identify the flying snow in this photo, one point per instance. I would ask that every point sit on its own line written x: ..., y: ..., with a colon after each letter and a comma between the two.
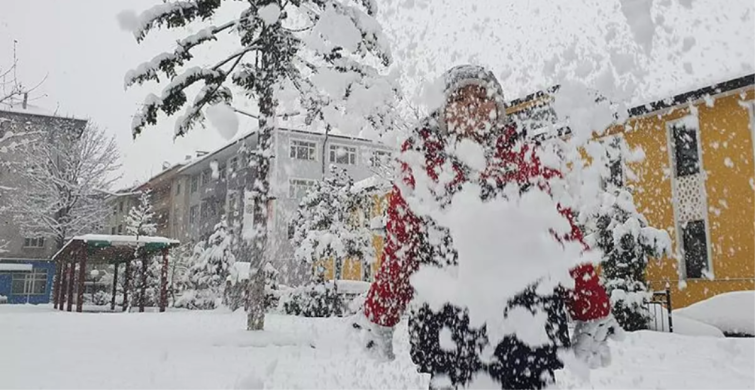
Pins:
x: 224, y: 119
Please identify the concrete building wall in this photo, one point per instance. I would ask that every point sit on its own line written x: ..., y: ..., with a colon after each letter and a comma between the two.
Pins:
x: 12, y: 241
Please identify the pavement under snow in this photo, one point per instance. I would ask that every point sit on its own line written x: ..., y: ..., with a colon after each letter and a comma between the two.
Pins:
x: 43, y: 348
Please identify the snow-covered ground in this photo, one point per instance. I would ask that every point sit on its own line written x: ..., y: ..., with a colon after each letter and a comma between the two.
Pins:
x: 43, y: 348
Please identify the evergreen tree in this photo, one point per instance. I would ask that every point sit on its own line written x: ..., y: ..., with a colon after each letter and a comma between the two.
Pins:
x: 627, y: 242
x: 320, y: 49
x: 140, y: 219
x: 140, y: 223
x: 327, y: 224
x: 209, y: 272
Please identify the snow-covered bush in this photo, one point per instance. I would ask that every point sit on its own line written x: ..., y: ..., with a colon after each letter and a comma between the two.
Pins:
x: 313, y: 300
x: 212, y: 262
x: 101, y: 298
x: 326, y: 226
x: 626, y: 240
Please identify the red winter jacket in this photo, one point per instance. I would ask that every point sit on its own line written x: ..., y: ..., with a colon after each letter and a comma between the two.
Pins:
x: 391, y: 291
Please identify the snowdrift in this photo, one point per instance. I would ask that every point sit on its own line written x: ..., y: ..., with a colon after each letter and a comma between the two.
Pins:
x: 733, y: 313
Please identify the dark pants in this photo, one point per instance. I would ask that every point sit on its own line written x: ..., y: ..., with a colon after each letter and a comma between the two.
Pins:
x: 515, y: 365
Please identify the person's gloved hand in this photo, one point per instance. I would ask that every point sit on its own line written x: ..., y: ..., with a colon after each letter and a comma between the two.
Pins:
x: 377, y: 340
x: 590, y: 340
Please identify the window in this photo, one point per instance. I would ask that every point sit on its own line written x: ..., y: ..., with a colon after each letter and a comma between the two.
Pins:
x: 193, y: 215
x: 232, y: 205
x: 112, y: 230
x: 120, y: 229
x: 379, y: 158
x: 303, y: 150
x: 34, y: 242
x: 695, y: 249
x: 178, y: 188
x: 29, y: 283
x: 297, y: 188
x: 120, y: 206
x: 234, y: 164
x: 686, y: 156
x: 115, y: 210
x: 615, y: 164
x: 343, y: 154
x: 194, y: 183
x: 206, y: 177
x: 221, y: 172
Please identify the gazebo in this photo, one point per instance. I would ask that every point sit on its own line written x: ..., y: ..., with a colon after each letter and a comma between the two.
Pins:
x: 108, y: 249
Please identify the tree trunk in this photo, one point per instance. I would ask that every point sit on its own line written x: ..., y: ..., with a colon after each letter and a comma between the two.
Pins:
x: 260, y: 189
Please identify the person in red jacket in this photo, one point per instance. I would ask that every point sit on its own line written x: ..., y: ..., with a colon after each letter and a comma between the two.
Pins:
x: 474, y: 107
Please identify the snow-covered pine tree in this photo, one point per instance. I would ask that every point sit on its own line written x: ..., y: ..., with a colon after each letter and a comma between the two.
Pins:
x: 208, y: 273
x: 327, y: 51
x: 327, y: 224
x: 627, y: 242
x: 140, y: 222
x: 140, y: 219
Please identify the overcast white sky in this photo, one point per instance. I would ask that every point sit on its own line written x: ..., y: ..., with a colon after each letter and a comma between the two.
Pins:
x: 84, y: 53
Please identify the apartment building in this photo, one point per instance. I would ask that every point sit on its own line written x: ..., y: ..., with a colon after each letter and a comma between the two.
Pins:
x: 190, y: 198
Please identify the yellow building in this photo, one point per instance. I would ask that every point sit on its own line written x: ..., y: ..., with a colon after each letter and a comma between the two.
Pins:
x: 697, y: 182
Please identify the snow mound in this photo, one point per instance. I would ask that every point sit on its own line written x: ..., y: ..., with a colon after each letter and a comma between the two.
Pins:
x: 682, y: 325
x: 732, y: 312
x: 352, y: 286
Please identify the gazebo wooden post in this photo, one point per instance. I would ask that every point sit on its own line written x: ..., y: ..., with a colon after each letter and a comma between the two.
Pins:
x: 82, y: 273
x: 115, y: 287
x: 126, y: 284
x: 143, y: 292
x: 63, y: 284
x: 56, y: 283
x: 164, y: 281
x: 70, y: 282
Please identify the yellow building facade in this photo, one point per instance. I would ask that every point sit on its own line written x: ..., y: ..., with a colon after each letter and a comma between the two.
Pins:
x: 696, y: 182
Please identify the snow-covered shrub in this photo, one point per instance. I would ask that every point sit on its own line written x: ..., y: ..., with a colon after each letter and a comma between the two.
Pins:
x: 626, y: 240
x: 212, y: 262
x: 313, y: 300
x: 327, y: 225
x: 101, y: 298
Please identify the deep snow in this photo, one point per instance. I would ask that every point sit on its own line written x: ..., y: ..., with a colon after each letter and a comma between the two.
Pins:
x: 42, y: 348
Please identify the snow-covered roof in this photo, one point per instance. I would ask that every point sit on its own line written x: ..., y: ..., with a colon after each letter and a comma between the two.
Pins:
x: 32, y: 109
x: 15, y: 267
x: 370, y: 182
x: 126, y: 239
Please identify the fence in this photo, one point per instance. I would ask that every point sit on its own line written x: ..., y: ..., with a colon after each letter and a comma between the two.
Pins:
x: 661, y: 300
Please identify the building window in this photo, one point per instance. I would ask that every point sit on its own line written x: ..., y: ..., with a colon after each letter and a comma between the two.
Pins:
x: 194, y: 184
x: 112, y: 230
x: 297, y: 188
x: 234, y: 164
x: 343, y: 154
x: 379, y: 158
x: 178, y: 188
x: 232, y: 205
x: 221, y: 172
x: 303, y: 150
x: 120, y: 229
x: 193, y: 215
x: 206, y: 177
x: 695, y: 249
x: 115, y: 210
x: 120, y: 206
x: 686, y: 155
x: 34, y: 242
x: 29, y: 283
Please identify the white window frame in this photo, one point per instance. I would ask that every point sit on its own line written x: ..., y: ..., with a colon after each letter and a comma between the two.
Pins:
x: 374, y: 157
x: 30, y: 280
x: 750, y: 106
x: 677, y: 226
x: 34, y: 242
x: 333, y: 158
x: 291, y: 150
x: 292, y: 186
